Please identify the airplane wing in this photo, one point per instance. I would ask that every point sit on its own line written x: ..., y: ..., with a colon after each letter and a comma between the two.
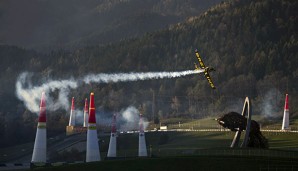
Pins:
x: 202, y: 65
x: 206, y: 73
x: 207, y: 69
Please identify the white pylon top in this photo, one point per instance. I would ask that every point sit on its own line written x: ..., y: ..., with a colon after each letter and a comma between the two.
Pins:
x: 141, y: 129
x: 114, y: 129
x: 72, y: 118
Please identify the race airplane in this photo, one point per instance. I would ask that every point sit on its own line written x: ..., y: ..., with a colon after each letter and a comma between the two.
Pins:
x: 206, y: 69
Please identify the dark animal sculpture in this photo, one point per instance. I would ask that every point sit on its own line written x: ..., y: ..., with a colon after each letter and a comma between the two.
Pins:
x: 236, y: 122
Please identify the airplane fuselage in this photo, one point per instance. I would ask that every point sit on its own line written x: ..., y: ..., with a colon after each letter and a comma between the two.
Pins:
x: 209, y: 69
x: 206, y: 69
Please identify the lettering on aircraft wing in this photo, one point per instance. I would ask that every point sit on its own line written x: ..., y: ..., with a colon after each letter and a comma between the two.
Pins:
x: 209, y: 80
x: 200, y: 61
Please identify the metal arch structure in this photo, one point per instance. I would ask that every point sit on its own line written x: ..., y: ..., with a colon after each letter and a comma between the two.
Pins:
x: 247, y: 108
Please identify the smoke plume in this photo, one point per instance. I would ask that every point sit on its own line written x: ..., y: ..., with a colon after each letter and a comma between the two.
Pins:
x: 270, y: 104
x: 79, y: 114
x: 129, y: 119
x: 31, y: 95
x: 124, y: 77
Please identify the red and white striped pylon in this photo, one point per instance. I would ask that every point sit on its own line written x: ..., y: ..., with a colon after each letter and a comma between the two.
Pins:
x: 86, y: 113
x: 40, y: 145
x: 113, y: 139
x: 285, y: 121
x: 142, y: 141
x: 92, y: 150
x: 72, y: 118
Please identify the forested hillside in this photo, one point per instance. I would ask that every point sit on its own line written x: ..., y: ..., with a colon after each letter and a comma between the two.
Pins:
x: 252, y: 45
x: 55, y: 24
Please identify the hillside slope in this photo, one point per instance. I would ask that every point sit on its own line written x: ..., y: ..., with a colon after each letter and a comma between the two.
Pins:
x: 252, y: 45
x: 55, y: 24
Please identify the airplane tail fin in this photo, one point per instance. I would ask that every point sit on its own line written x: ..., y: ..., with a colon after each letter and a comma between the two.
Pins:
x: 196, y: 66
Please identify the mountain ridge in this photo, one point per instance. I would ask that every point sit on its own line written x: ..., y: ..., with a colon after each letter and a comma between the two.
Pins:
x: 54, y: 24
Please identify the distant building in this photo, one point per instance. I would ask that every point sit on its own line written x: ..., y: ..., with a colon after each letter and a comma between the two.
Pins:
x: 75, y: 130
x: 163, y: 127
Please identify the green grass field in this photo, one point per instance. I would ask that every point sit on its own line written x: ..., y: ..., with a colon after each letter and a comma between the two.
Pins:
x: 165, y: 144
x: 190, y: 151
x: 210, y: 123
x: 187, y: 163
x: 173, y: 141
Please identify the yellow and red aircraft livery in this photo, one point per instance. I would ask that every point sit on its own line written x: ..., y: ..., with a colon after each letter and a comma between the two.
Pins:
x: 206, y: 69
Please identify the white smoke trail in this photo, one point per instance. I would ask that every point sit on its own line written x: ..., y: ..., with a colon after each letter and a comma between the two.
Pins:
x: 79, y: 114
x: 127, y: 119
x: 123, y: 77
x: 130, y: 119
x: 31, y: 95
x: 269, y: 105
